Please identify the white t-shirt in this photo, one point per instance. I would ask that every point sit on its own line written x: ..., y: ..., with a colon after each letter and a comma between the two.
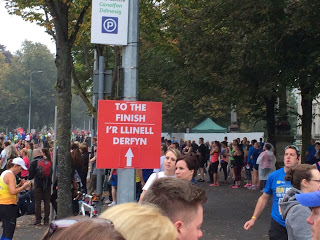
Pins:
x: 161, y: 169
x: 153, y: 177
x: 4, y: 156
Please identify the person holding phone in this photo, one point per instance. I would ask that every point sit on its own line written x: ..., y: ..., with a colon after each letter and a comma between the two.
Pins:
x: 9, y: 195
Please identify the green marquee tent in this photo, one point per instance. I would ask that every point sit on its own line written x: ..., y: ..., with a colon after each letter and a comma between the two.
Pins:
x: 208, y: 126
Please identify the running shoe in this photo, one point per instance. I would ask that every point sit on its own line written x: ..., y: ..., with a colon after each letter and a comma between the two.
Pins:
x: 254, y: 187
x: 236, y: 186
x: 247, y: 185
x: 112, y: 204
x: 214, y: 185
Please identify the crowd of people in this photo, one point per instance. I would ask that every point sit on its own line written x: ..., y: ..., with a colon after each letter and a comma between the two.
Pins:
x: 255, y: 158
x: 174, y: 190
x: 291, y: 217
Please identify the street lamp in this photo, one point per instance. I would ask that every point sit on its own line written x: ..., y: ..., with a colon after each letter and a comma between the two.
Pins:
x: 29, y: 124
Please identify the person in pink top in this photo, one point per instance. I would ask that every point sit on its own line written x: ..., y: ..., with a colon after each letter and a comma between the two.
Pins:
x: 24, y: 155
x: 213, y: 168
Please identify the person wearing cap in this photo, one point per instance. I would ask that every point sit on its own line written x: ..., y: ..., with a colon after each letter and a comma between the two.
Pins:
x: 312, y: 200
x: 276, y: 186
x: 8, y: 196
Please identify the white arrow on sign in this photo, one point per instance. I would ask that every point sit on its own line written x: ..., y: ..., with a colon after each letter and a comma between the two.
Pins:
x: 129, y: 156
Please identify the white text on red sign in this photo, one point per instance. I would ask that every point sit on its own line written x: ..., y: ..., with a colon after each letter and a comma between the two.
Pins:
x: 137, y: 120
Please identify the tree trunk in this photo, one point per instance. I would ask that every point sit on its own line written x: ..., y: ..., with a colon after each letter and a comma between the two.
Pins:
x: 63, y: 63
x: 59, y: 11
x: 64, y: 128
x: 306, y: 120
x: 271, y: 120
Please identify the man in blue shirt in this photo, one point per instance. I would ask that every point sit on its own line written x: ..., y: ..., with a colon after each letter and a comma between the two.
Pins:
x: 310, y: 151
x: 249, y: 166
x: 276, y: 187
x: 174, y: 140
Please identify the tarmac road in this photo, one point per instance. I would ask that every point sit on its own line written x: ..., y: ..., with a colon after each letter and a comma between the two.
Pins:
x: 225, y: 213
x: 228, y: 209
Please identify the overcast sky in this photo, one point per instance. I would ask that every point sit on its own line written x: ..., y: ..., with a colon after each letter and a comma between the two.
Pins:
x: 14, y: 30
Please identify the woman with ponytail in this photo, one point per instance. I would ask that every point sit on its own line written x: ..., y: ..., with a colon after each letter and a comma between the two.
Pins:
x: 304, y: 178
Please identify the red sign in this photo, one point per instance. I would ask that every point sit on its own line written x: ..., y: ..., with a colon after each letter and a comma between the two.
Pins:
x: 20, y: 130
x: 129, y: 134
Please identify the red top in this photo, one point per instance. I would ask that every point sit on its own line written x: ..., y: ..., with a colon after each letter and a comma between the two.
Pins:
x: 215, y: 157
x: 25, y: 173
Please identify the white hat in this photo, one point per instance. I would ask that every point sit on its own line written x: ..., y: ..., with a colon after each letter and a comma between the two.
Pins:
x: 19, y: 161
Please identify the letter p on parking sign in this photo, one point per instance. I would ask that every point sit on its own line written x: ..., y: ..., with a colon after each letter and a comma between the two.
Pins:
x: 110, y: 25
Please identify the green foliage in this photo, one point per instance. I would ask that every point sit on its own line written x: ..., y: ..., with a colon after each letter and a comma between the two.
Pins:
x: 200, y: 56
x: 16, y: 86
x: 79, y: 114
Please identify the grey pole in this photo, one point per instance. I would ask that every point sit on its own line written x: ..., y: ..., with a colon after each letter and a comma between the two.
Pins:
x: 100, y: 97
x: 126, y: 177
x: 29, y: 123
x: 95, y: 92
x: 54, y: 158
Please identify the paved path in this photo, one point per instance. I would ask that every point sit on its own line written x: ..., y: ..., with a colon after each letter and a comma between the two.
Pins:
x: 228, y: 209
x: 224, y: 215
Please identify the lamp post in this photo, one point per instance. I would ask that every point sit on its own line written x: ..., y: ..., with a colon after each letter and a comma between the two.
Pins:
x: 29, y: 124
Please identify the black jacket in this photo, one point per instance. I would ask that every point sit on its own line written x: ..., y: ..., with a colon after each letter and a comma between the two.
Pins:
x: 39, y: 183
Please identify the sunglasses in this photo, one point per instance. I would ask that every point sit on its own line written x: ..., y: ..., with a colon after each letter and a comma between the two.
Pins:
x: 293, y: 147
x: 65, y: 223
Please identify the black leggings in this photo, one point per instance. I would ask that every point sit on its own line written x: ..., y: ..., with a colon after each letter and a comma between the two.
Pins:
x: 224, y: 166
x: 8, y: 215
x: 213, y: 168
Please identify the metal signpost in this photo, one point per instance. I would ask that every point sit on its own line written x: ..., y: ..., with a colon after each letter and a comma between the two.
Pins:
x: 116, y: 23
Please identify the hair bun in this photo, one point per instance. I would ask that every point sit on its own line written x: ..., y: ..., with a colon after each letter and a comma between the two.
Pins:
x: 288, y: 177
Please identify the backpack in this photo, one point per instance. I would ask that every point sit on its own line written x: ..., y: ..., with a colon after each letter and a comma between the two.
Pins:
x: 44, y: 169
x: 26, y: 203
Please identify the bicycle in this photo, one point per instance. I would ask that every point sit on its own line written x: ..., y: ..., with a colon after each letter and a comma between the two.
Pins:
x: 86, y: 205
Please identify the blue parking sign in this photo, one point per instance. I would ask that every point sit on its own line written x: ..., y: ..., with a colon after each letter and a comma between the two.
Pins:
x: 110, y: 25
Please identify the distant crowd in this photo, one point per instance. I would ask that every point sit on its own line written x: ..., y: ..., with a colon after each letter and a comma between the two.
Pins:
x: 235, y: 157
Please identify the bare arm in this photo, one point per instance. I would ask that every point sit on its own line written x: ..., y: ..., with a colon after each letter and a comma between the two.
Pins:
x: 213, y: 151
x: 139, y: 171
x: 13, y: 189
x: 92, y: 160
x: 261, y: 204
x: 142, y: 195
x: 110, y: 175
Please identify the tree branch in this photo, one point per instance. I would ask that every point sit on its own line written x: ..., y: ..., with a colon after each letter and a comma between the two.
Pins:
x: 86, y: 59
x: 81, y: 92
x: 50, y: 31
x: 79, y: 22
